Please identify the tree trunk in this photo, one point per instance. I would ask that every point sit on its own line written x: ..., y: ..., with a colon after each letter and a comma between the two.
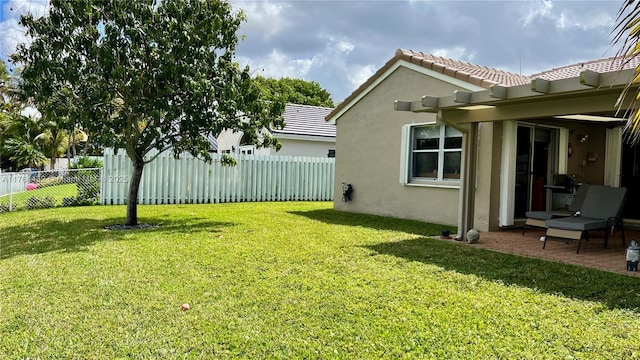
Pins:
x: 52, y: 162
x: 132, y: 202
x: 69, y: 153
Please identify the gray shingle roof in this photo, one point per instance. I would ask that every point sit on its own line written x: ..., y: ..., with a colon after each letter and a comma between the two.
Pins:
x: 307, y: 120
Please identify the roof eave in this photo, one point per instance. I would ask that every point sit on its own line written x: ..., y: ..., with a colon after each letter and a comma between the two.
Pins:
x: 400, y: 59
x: 497, y: 94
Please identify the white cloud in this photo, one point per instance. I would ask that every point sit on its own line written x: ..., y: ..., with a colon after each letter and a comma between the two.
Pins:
x: 566, y: 18
x: 345, y: 46
x: 561, y: 22
x: 456, y: 53
x: 537, y: 9
x: 15, y: 8
x: 264, y: 17
x: 600, y: 21
x: 12, y: 33
x: 358, y: 74
x: 278, y: 65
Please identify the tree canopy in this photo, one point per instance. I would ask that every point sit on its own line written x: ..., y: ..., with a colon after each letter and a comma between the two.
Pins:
x: 296, y: 91
x: 145, y: 75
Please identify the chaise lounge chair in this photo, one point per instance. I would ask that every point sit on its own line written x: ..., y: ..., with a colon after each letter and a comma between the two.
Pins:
x: 538, y: 218
x: 601, y: 210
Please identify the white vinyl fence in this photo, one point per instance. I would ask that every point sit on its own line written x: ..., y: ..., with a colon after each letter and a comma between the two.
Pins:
x: 190, y: 180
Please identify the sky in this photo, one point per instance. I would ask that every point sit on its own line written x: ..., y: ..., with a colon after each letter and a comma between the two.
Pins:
x: 341, y: 43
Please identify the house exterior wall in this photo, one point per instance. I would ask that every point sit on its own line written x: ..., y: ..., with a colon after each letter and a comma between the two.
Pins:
x: 291, y: 147
x: 228, y: 140
x: 368, y: 153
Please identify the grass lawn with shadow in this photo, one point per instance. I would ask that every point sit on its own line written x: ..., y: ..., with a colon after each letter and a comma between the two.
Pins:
x: 291, y: 280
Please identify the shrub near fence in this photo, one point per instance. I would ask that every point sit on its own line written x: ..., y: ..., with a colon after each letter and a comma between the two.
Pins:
x: 190, y: 180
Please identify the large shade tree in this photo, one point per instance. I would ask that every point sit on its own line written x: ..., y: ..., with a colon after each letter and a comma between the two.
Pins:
x: 146, y: 76
x: 296, y: 91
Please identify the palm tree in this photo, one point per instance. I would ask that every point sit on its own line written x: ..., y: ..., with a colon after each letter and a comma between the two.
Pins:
x: 24, y: 153
x: 627, y: 32
x: 55, y: 142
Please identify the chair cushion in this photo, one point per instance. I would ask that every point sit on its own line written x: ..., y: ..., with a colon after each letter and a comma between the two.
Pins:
x: 579, y: 223
x: 576, y: 204
x: 540, y: 215
x: 603, y: 202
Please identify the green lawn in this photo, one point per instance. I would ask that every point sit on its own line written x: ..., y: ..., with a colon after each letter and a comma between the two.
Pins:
x: 291, y: 280
x: 57, y: 192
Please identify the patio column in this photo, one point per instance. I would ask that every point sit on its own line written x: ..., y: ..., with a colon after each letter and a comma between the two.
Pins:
x: 468, y: 181
x: 508, y: 173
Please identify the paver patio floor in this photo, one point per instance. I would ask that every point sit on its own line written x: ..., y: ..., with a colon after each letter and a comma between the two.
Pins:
x: 592, y: 253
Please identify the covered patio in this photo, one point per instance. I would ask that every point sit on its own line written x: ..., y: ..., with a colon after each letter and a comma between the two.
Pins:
x: 518, y: 139
x: 592, y: 253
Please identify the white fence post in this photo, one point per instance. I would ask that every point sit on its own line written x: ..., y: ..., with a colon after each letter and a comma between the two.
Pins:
x: 10, y: 192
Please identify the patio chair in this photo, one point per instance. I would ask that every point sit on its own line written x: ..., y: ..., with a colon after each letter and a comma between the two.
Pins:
x: 601, y: 210
x: 538, y: 218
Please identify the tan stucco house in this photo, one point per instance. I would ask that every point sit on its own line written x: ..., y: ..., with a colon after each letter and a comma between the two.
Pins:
x: 306, y: 133
x: 444, y: 141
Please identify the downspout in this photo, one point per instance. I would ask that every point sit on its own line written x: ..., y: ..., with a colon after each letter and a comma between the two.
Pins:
x: 468, y: 163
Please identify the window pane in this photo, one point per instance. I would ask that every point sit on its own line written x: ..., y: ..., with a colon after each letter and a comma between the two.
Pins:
x: 452, y: 165
x: 425, y: 165
x: 426, y: 138
x: 426, y: 132
x: 452, y: 138
x: 426, y: 144
x: 452, y: 132
x: 453, y: 143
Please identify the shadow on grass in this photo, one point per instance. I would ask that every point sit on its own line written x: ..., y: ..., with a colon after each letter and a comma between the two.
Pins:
x: 374, y: 222
x: 609, y: 289
x: 43, y: 236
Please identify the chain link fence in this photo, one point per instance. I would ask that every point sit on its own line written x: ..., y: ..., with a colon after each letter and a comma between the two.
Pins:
x: 29, y: 189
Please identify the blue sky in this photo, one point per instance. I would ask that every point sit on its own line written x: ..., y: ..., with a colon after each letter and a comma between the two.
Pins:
x: 341, y: 43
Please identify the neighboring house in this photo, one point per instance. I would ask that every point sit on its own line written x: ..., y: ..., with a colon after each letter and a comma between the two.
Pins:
x: 306, y: 133
x: 449, y: 142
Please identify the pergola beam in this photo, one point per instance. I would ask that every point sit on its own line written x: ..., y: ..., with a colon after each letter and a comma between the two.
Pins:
x: 589, y: 78
x: 400, y: 105
x: 463, y: 97
x: 593, y: 103
x: 430, y: 101
x: 499, y: 95
x: 498, y: 91
x: 540, y: 85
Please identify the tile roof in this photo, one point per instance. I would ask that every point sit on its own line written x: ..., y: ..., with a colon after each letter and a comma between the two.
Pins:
x: 600, y: 65
x: 483, y: 76
x: 307, y: 120
x: 475, y: 74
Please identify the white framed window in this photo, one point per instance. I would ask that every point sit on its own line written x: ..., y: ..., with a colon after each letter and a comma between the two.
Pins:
x: 431, y: 153
x: 247, y: 149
